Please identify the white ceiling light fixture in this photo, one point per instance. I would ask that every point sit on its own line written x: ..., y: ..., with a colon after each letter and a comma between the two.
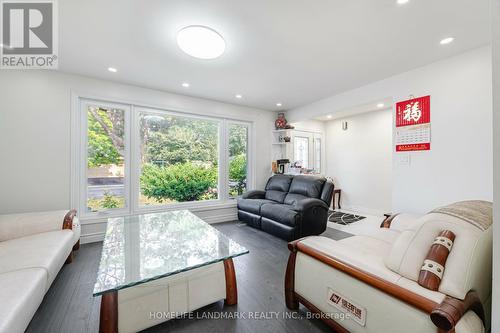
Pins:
x: 402, y: 2
x: 201, y: 42
x: 279, y: 104
x: 186, y: 85
x: 380, y: 105
x: 329, y: 116
x: 112, y: 69
x: 238, y: 96
x: 446, y: 41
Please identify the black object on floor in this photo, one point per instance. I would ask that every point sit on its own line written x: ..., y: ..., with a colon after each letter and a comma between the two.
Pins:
x: 343, y: 218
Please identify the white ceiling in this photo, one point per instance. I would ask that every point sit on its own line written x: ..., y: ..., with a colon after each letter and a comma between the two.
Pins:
x: 289, y: 51
x: 380, y: 104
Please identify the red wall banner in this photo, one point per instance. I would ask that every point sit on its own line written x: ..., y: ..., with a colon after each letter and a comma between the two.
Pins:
x: 413, y: 124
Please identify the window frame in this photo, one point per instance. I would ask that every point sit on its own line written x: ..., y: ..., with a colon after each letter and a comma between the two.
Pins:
x: 132, y: 157
x: 83, y: 152
x: 248, y: 125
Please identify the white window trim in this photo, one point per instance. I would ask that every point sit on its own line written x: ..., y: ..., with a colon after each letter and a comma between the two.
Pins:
x: 132, y: 169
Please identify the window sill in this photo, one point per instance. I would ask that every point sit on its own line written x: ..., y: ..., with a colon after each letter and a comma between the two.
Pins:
x: 191, y: 206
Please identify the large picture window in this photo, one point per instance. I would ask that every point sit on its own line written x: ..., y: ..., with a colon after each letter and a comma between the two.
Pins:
x: 134, y: 159
x: 179, y: 159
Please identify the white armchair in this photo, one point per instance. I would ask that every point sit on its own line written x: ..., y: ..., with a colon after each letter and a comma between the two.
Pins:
x: 370, y: 283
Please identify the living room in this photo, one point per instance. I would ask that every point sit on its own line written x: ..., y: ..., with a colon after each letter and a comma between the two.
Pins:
x: 281, y: 166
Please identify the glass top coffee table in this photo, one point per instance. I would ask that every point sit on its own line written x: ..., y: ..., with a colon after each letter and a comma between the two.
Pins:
x: 144, y: 248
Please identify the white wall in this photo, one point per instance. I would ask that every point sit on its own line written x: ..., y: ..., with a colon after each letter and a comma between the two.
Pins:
x: 35, y: 135
x: 359, y: 159
x: 310, y: 125
x: 459, y: 165
x: 495, y: 320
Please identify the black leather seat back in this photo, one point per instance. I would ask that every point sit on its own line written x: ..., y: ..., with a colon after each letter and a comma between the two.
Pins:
x: 303, y: 187
x: 277, y: 187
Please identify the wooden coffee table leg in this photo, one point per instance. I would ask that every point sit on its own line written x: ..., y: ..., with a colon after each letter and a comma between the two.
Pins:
x: 231, y: 290
x: 109, y: 313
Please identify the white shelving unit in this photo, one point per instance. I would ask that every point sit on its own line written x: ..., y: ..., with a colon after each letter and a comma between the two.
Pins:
x: 280, y: 148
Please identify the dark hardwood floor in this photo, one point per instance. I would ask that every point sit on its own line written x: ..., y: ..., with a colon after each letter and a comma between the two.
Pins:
x: 70, y: 308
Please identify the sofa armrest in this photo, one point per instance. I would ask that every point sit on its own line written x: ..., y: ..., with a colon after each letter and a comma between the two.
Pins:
x: 309, y: 203
x: 68, y: 219
x: 26, y: 224
x: 254, y: 194
x: 386, y: 223
x: 447, y: 314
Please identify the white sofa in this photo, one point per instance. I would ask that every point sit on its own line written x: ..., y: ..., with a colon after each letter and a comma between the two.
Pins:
x: 369, y: 282
x: 33, y: 248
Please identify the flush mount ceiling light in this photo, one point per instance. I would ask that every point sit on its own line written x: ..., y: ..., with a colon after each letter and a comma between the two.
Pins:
x: 112, y: 69
x: 201, y: 42
x: 329, y: 116
x: 185, y: 85
x: 447, y: 40
x: 238, y: 96
x: 380, y: 105
x: 279, y: 104
x: 402, y: 2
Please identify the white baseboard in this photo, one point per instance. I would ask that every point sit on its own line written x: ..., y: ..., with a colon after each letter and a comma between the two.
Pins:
x: 93, y: 237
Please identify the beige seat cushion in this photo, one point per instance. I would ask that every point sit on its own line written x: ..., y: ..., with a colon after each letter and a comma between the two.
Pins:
x: 367, y: 253
x: 21, y: 292
x: 26, y: 224
x: 364, y: 252
x: 47, y: 250
x: 386, y: 235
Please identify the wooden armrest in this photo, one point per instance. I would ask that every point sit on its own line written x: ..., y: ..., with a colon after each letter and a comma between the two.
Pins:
x: 447, y: 314
x: 386, y: 223
x: 68, y: 219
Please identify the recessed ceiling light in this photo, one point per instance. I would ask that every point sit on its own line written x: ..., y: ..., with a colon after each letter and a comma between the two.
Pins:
x: 329, y: 116
x: 279, y: 104
x: 185, y: 85
x: 446, y: 40
x: 380, y: 105
x: 112, y: 69
x: 238, y: 96
x: 402, y: 2
x: 201, y: 42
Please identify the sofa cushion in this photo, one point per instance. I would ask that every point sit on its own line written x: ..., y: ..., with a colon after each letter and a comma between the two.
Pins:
x: 279, y: 183
x: 21, y: 225
x: 283, y: 214
x: 310, y: 186
x: 277, y: 196
x: 47, y: 250
x: 21, y: 292
x: 253, y: 205
x: 293, y: 198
